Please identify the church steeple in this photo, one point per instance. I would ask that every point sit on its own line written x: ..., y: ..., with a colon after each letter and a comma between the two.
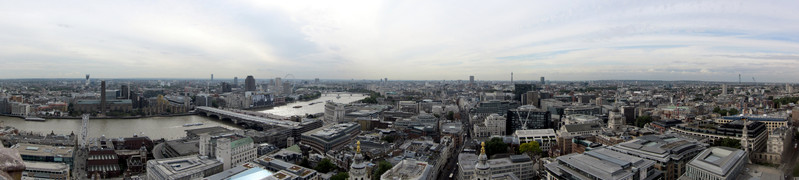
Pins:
x: 358, y: 167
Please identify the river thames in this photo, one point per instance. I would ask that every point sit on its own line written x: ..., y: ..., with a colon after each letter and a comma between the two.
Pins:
x: 161, y: 127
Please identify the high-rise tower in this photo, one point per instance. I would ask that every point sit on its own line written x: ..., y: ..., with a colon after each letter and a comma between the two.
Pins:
x: 249, y: 83
x: 102, y: 96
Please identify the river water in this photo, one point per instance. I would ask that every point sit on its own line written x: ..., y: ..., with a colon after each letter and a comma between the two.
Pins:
x: 161, y: 127
x: 289, y: 110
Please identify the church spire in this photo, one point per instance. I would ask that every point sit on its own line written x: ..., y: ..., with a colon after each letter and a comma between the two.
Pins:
x: 483, y: 150
x: 358, y: 148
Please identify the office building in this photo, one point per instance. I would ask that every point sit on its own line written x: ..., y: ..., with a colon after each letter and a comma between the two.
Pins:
x: 528, y: 117
x: 494, y: 125
x: 581, y: 119
x: 471, y: 79
x: 45, y: 153
x: 230, y: 149
x: 602, y: 164
x: 236, y: 82
x: 183, y: 168
x: 572, y: 130
x: 474, y: 167
x: 755, y: 131
x: 670, y: 152
x: 542, y: 80
x: 331, y: 137
x: 249, y: 83
x: 334, y: 112
x: 124, y: 92
x: 520, y: 89
x: 771, y: 122
x: 716, y: 163
x: 44, y: 170
x: 409, y: 169
x: 285, y: 170
x: 546, y: 138
x: 102, y: 97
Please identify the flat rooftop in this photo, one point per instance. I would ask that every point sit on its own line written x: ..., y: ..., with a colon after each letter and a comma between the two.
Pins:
x: 43, y: 150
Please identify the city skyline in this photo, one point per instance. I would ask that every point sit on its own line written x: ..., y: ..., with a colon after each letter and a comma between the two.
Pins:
x: 562, y: 41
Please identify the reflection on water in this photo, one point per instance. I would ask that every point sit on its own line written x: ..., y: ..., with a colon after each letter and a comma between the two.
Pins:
x: 289, y: 110
x: 154, y: 127
x: 161, y: 127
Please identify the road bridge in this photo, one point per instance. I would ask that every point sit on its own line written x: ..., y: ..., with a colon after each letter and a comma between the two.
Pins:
x: 246, y: 120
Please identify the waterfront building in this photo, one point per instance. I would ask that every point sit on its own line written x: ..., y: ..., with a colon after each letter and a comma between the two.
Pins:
x: 716, y: 163
x: 91, y: 105
x: 494, y: 125
x: 670, y: 152
x: 474, y: 167
x: 249, y: 83
x: 45, y: 153
x: 602, y: 164
x: 546, y: 138
x: 230, y: 149
x: 183, y: 168
x: 45, y: 171
x: 334, y: 112
x: 331, y: 137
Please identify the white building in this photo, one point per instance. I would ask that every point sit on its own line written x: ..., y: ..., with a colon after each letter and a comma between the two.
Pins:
x: 45, y: 170
x: 358, y: 170
x: 494, y: 125
x: 581, y: 119
x: 230, y: 149
x: 716, y: 163
x: 615, y: 120
x: 334, y: 112
x: 185, y: 167
x: 545, y: 137
x: 20, y: 109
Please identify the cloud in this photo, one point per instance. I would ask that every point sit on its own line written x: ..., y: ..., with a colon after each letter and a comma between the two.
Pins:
x: 665, y: 40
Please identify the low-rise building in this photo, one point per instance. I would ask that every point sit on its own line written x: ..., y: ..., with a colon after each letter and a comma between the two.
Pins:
x: 285, y: 170
x: 572, y: 130
x: 771, y: 123
x: 717, y: 163
x: 602, y: 164
x: 546, y: 138
x: 44, y: 170
x: 183, y: 168
x: 670, y: 152
x: 331, y: 137
x: 494, y: 125
x: 409, y: 169
x: 756, y: 132
x: 45, y: 153
x: 474, y: 167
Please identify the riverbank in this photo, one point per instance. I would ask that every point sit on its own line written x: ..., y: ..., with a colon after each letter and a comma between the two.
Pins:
x: 105, y: 117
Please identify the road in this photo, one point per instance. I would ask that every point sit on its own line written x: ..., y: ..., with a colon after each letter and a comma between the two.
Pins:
x: 451, y: 166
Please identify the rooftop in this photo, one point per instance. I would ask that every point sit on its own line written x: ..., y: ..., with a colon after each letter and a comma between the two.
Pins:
x: 407, y: 169
x: 534, y: 132
x: 718, y: 160
x: 43, y: 150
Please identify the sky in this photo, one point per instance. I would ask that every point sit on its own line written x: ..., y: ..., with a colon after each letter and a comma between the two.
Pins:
x: 402, y: 40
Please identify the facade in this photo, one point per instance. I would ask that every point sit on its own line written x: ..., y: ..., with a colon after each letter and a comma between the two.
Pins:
x: 778, y: 141
x: 572, y: 130
x: 546, y: 138
x: 42, y: 171
x: 615, y: 120
x: 331, y: 137
x: 528, y: 117
x: 334, y: 112
x: 602, y: 164
x: 670, y: 152
x: 716, y: 163
x: 494, y: 125
x: 249, y: 83
x: 45, y: 153
x: 183, y: 168
x: 756, y: 132
x: 230, y: 149
x: 122, y: 105
x: 474, y: 167
x: 771, y: 123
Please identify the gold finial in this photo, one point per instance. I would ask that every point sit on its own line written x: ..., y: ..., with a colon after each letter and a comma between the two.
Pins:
x: 358, y: 149
x: 483, y: 150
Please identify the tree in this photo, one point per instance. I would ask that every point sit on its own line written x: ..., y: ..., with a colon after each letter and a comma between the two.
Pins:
x: 642, y: 120
x: 450, y: 115
x: 496, y: 146
x: 733, y: 111
x: 382, y: 167
x: 531, y: 148
x: 340, y: 176
x: 388, y: 139
x: 306, y: 163
x: 325, y: 166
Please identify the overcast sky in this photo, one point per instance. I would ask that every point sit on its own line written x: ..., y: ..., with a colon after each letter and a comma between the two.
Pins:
x: 413, y: 40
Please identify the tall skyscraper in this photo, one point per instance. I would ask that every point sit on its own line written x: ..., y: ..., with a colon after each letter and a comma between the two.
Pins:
x: 87, y: 79
x: 102, y: 96
x: 212, y: 77
x: 542, y: 80
x: 249, y: 83
x: 471, y: 79
x: 124, y: 92
x: 723, y: 89
x: 235, y: 82
x: 511, y: 77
